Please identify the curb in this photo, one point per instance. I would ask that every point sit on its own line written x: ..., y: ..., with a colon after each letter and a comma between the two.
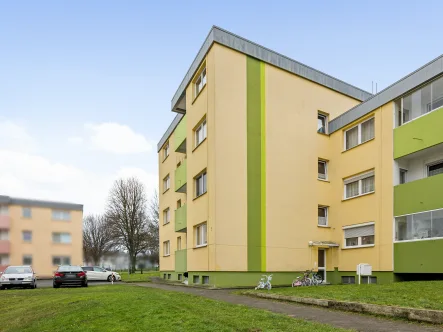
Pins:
x: 421, y: 315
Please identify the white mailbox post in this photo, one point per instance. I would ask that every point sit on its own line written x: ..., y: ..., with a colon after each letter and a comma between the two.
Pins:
x: 363, y: 269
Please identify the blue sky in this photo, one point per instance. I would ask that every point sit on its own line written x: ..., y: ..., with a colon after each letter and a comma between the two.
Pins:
x: 85, y: 86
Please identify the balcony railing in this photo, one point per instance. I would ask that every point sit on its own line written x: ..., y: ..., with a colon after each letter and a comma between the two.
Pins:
x: 180, y: 136
x: 181, y: 261
x: 180, y: 177
x: 180, y: 218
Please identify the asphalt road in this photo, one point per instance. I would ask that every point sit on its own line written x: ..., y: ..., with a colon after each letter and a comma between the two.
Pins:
x: 48, y: 283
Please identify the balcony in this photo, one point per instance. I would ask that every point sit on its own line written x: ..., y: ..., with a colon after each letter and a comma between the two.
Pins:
x: 5, y: 222
x: 180, y: 177
x: 5, y: 247
x: 419, y: 195
x: 419, y: 134
x: 180, y: 218
x: 180, y: 136
x: 181, y: 261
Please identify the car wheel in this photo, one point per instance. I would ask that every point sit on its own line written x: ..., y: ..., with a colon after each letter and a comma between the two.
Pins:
x: 85, y: 284
x: 2, y: 287
x: 111, y: 278
x: 55, y: 285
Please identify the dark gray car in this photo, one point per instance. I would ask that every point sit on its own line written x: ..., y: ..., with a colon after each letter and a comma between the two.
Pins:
x: 70, y: 275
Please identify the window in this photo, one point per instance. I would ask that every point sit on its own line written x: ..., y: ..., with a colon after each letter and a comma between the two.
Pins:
x: 4, y: 234
x: 27, y: 260
x: 200, y: 184
x: 348, y: 280
x: 200, y: 133
x: 61, y: 215
x: 169, y: 276
x: 200, y: 82
x: 322, y: 122
x: 180, y: 276
x: 359, y: 236
x: 368, y: 280
x: 359, y: 185
x: 61, y: 238
x: 359, y: 134
x: 419, y: 226
x: 179, y: 204
x: 26, y: 212
x: 196, y: 279
x: 322, y: 170
x: 61, y: 260
x: 4, y: 259
x: 27, y: 236
x: 166, y: 151
x: 179, y: 243
x: 205, y: 280
x: 200, y: 235
x: 4, y: 211
x: 322, y: 216
x: 403, y: 175
x: 166, y: 248
x: 166, y: 183
x: 166, y: 216
x: 164, y: 275
x: 435, y: 169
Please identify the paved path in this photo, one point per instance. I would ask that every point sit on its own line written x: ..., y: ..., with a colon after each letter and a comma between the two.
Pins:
x: 311, y: 313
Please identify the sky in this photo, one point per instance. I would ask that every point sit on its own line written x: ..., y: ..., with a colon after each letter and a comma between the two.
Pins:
x: 86, y: 86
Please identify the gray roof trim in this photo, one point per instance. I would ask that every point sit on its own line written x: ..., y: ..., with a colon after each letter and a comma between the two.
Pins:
x: 247, y: 47
x: 399, y: 88
x: 169, y: 131
x: 39, y: 203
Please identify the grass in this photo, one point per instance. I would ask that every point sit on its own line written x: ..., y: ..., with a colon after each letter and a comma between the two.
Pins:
x: 132, y: 308
x: 417, y: 294
x: 138, y: 277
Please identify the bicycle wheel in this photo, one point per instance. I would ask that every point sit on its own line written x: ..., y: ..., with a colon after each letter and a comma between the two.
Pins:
x: 319, y: 279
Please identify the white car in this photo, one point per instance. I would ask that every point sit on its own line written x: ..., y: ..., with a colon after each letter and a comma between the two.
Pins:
x: 18, y: 276
x: 96, y: 273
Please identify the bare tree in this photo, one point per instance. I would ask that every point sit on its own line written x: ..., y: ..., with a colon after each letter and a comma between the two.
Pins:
x: 128, y: 220
x: 154, y: 216
x: 97, y: 238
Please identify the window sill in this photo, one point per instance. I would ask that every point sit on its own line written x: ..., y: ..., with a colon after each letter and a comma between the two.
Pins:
x: 195, y: 148
x: 359, y: 247
x: 324, y: 180
x: 201, y: 246
x: 200, y: 92
x: 324, y: 226
x: 365, y: 194
x: 165, y: 158
x: 166, y: 191
x: 199, y: 196
x: 167, y: 223
x: 370, y: 140
x: 166, y: 255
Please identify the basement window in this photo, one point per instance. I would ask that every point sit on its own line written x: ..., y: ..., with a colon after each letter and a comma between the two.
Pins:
x: 205, y: 280
x: 196, y: 279
x: 348, y: 280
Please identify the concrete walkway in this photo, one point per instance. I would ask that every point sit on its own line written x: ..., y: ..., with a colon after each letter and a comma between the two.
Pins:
x: 332, y: 317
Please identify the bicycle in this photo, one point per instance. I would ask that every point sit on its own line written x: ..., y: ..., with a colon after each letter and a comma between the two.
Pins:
x: 265, y: 282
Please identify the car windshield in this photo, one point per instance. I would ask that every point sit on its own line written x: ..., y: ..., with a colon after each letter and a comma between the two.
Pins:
x: 18, y: 270
x: 69, y: 268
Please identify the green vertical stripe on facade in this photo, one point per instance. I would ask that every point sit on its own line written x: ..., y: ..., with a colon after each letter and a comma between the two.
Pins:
x: 263, y: 165
x: 256, y: 184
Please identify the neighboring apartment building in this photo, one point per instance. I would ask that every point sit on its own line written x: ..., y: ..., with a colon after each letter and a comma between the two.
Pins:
x: 239, y: 185
x: 42, y: 234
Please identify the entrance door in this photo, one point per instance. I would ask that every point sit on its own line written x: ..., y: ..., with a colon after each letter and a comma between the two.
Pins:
x: 322, y: 263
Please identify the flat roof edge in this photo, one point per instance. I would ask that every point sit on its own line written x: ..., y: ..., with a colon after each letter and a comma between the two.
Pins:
x: 40, y: 203
x: 395, y: 90
x: 169, y: 131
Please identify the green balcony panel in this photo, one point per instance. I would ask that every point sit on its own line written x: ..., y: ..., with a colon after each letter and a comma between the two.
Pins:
x: 181, y: 261
x: 419, y: 195
x: 418, y: 134
x: 180, y: 136
x: 180, y: 218
x: 418, y: 257
x: 180, y: 178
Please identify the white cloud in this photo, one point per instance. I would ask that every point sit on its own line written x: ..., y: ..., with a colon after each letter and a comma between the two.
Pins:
x: 14, y: 136
x: 116, y: 138
x: 76, y: 140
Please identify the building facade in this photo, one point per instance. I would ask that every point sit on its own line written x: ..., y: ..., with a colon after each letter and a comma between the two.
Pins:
x: 239, y: 187
x: 42, y: 234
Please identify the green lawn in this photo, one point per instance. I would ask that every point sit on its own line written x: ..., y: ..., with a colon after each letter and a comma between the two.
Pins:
x: 417, y: 294
x: 133, y: 308
x: 138, y: 277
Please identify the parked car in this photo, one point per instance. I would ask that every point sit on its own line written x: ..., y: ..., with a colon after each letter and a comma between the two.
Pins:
x: 98, y: 273
x: 18, y: 276
x: 70, y: 275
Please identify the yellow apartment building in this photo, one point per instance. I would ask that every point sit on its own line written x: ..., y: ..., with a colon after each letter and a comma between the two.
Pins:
x: 42, y: 234
x: 239, y: 185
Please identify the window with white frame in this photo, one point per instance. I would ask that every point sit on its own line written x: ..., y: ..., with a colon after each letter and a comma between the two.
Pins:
x: 419, y: 226
x: 166, y: 151
x: 322, y: 123
x: 61, y: 215
x: 359, y: 236
x: 64, y: 238
x: 4, y: 211
x: 403, y: 175
x: 166, y: 216
x: 27, y: 236
x: 322, y: 170
x: 200, y: 133
x: 26, y: 212
x: 166, y: 183
x: 200, y: 184
x: 435, y: 168
x: 4, y: 234
x: 4, y: 259
x: 200, y: 235
x: 359, y: 134
x: 359, y: 185
x: 61, y: 260
x: 322, y: 216
x: 166, y: 248
x: 200, y: 82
